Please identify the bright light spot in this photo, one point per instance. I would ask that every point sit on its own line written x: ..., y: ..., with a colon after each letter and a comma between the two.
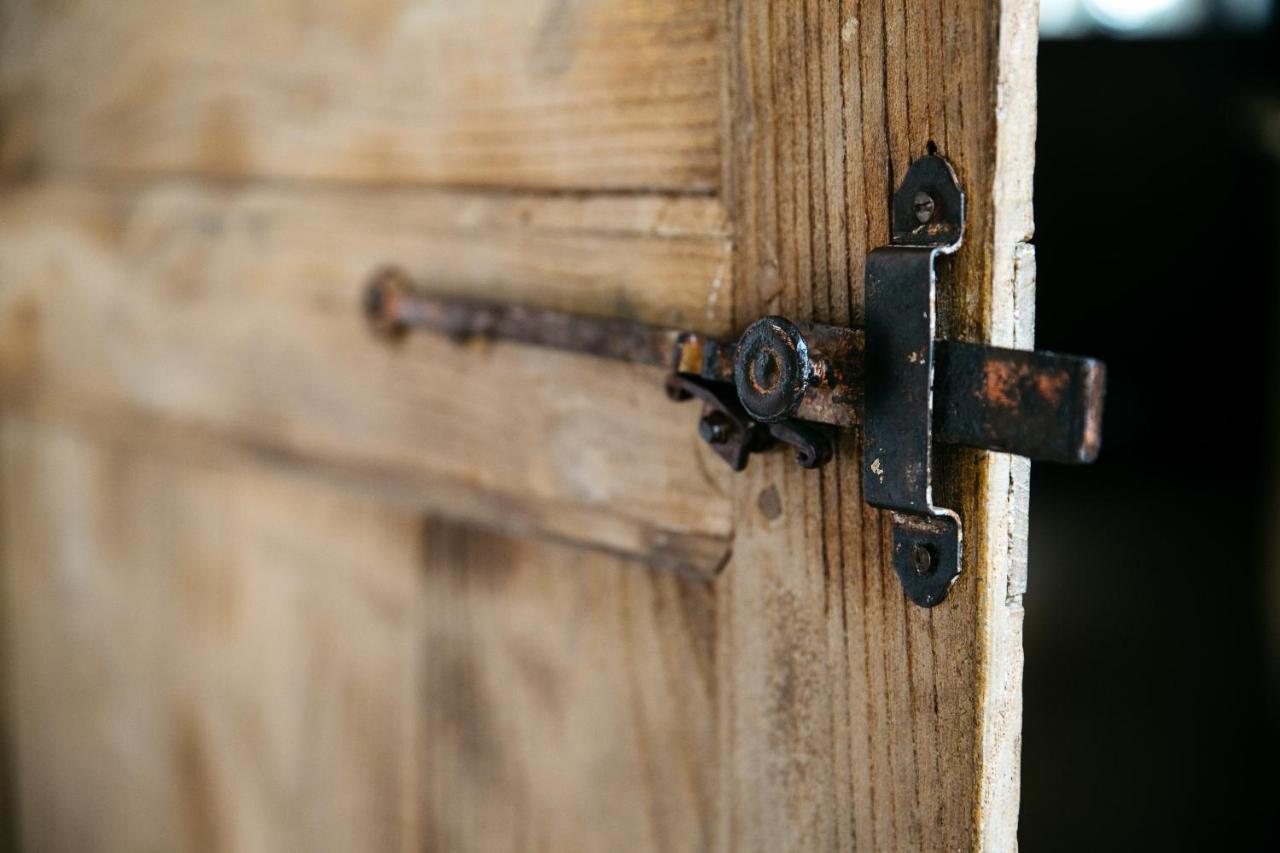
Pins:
x: 1067, y: 19
x: 1061, y: 18
x: 1132, y: 14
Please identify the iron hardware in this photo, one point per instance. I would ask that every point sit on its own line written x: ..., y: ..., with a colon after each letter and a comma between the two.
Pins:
x: 793, y: 383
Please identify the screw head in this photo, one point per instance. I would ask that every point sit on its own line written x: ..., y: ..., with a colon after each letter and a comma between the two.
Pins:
x: 922, y: 560
x: 924, y: 207
x: 714, y: 428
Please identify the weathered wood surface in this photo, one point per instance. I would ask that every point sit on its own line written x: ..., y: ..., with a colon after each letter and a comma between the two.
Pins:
x: 562, y: 94
x: 849, y: 718
x: 201, y: 657
x: 567, y: 700
x: 225, y: 624
x: 229, y: 321
x: 222, y: 658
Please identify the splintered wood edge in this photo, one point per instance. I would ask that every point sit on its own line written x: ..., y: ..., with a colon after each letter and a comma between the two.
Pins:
x: 1012, y: 324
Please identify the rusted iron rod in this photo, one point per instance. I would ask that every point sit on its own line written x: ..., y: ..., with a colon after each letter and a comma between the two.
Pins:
x: 394, y: 307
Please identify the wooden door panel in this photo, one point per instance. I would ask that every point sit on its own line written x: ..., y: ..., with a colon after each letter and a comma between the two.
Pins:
x: 236, y: 615
x: 232, y: 319
x: 565, y: 94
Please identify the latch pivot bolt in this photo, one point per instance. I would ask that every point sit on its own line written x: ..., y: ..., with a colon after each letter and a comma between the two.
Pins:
x: 772, y: 369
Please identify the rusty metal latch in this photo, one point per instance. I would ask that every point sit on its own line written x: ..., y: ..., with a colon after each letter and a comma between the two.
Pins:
x: 793, y: 382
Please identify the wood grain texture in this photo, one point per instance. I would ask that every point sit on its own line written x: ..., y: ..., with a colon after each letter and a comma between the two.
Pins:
x: 850, y: 719
x: 229, y: 322
x: 556, y: 94
x: 566, y: 700
x: 228, y: 658
x: 226, y: 625
x: 202, y: 657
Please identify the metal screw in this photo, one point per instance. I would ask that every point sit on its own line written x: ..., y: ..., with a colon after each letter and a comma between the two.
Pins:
x: 924, y: 206
x: 922, y: 559
x: 714, y: 428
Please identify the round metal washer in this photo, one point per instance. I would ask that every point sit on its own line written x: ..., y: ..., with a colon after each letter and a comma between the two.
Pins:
x: 772, y: 369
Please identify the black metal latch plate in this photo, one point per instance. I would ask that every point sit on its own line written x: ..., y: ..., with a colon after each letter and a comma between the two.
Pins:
x: 897, y: 443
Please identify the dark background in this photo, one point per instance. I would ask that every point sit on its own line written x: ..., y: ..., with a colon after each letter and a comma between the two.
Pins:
x: 1151, y: 708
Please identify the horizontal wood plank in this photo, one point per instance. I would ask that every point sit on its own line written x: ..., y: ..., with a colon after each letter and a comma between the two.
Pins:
x: 227, y: 322
x: 558, y: 94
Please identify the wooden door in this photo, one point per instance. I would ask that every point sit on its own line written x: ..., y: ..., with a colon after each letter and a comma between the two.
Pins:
x: 271, y: 584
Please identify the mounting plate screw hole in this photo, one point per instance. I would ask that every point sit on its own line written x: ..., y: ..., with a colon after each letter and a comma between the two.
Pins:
x: 923, y: 559
x: 924, y: 207
x: 714, y: 428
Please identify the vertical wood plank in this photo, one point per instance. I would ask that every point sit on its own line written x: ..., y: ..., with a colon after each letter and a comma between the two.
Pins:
x: 849, y: 718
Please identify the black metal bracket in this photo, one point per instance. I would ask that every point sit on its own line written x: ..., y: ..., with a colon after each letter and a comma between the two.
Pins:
x: 897, y: 430
x: 792, y: 382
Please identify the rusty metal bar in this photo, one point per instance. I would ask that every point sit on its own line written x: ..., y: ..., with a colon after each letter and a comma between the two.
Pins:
x: 1038, y: 404
x: 394, y: 307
